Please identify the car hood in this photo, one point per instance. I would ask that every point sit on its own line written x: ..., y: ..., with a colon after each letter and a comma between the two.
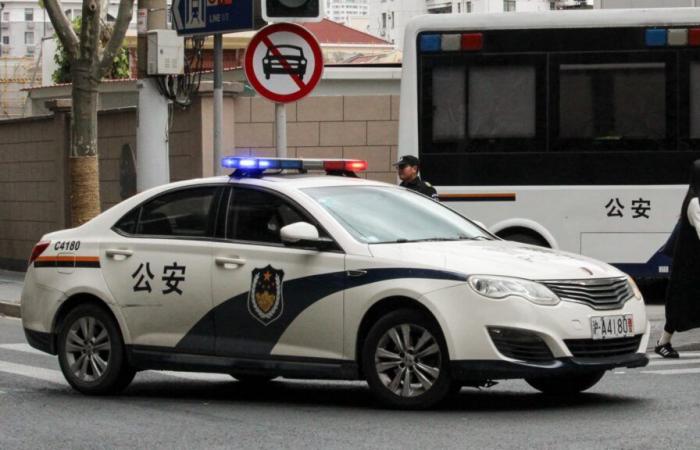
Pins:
x: 504, y: 258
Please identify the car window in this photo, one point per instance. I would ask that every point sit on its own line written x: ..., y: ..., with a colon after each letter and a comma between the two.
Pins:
x: 376, y: 215
x: 183, y: 213
x: 255, y: 215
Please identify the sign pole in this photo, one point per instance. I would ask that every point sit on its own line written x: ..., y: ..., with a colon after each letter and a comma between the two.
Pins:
x: 218, y: 99
x: 281, y: 129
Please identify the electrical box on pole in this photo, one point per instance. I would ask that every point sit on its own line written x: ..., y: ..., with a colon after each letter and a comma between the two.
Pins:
x: 292, y: 10
x: 166, y: 53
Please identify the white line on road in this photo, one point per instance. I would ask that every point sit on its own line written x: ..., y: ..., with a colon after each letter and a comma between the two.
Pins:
x: 683, y: 354
x: 673, y: 362
x: 672, y: 371
x: 22, y: 348
x: 52, y: 376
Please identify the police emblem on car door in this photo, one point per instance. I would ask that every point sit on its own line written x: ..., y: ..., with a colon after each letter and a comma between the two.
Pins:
x: 265, y: 301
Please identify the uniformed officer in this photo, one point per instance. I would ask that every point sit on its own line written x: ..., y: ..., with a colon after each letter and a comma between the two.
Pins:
x: 408, y: 167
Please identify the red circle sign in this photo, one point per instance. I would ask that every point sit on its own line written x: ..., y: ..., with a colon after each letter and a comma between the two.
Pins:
x: 283, y: 62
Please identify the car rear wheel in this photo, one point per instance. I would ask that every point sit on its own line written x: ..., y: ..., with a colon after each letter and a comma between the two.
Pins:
x: 91, y: 352
x: 566, y: 384
x: 405, y: 361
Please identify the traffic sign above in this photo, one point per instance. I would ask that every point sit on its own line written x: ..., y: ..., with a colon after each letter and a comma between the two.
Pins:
x: 212, y: 16
x: 283, y: 62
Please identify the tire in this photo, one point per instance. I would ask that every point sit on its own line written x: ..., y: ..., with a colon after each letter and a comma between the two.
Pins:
x: 105, y: 369
x: 566, y: 385
x: 429, y: 379
x: 526, y: 238
x: 253, y: 379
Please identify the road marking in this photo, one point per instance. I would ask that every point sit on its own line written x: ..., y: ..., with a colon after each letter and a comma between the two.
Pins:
x: 22, y: 348
x: 672, y: 371
x: 195, y: 375
x: 673, y: 362
x: 52, y: 376
x: 683, y: 354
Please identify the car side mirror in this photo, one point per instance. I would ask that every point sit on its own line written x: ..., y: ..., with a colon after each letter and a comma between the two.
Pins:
x: 304, y: 234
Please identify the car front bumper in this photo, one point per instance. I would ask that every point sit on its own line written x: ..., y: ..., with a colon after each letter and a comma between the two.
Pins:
x: 482, y: 370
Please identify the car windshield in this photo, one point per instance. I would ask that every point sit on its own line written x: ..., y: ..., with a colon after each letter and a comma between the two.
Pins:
x: 379, y: 215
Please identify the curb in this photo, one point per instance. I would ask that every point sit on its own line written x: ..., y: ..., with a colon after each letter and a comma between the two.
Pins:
x: 10, y: 309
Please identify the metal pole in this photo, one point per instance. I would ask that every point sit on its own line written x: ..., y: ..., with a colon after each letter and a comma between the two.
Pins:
x: 281, y: 129
x: 2, y: 6
x: 152, y: 154
x: 218, y: 99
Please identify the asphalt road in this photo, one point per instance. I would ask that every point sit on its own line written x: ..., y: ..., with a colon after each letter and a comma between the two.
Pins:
x: 651, y: 408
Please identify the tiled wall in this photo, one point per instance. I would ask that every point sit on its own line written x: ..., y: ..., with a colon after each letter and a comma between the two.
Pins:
x: 364, y: 127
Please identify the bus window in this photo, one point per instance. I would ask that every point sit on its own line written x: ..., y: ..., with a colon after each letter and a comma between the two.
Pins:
x: 501, y: 102
x: 448, y: 103
x: 612, y: 101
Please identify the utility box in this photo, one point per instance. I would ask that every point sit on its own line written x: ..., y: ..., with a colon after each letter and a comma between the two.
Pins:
x: 166, y: 53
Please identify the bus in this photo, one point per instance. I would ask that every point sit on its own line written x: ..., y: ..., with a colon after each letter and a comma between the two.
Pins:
x: 573, y: 130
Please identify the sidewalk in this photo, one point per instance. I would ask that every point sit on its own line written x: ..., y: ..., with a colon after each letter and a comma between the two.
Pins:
x: 11, y: 288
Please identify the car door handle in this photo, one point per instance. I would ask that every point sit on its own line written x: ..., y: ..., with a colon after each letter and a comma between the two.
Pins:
x: 229, y: 263
x: 118, y: 253
x: 356, y: 273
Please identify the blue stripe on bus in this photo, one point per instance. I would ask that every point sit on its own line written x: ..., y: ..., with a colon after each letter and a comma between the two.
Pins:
x: 649, y: 269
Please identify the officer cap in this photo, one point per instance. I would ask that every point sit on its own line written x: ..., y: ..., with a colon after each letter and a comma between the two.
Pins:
x: 408, y: 160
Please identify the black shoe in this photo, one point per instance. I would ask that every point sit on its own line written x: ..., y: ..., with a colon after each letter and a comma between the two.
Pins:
x: 666, y: 351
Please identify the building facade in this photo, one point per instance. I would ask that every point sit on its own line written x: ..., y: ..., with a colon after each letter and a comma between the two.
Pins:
x: 388, y: 18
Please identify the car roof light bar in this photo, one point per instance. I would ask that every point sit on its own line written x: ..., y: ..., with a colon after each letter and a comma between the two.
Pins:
x: 252, y: 167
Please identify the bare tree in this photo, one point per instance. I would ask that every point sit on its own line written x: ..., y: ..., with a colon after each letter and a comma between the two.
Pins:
x: 89, y: 62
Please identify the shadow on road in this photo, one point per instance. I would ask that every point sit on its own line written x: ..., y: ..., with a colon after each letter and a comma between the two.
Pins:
x: 280, y: 393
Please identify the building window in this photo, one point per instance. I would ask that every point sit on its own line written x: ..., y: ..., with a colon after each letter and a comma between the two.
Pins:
x: 383, y: 21
x: 469, y: 7
x: 29, y: 15
x: 6, y: 40
x: 459, y: 7
x: 552, y: 5
x: 392, y: 20
x: 6, y: 16
x: 29, y: 38
x: 508, y: 5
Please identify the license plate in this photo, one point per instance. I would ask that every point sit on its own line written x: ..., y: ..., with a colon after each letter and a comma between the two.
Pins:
x: 611, y: 327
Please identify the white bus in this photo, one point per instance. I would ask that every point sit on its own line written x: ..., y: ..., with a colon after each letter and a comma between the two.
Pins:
x: 570, y: 129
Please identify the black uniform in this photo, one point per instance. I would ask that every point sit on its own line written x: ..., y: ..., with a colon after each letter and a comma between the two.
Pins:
x: 421, y: 186
x: 683, y: 293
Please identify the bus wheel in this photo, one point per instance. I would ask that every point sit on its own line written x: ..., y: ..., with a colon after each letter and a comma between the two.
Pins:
x: 526, y: 238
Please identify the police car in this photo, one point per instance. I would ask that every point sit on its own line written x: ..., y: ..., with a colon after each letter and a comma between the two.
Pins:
x: 282, y: 270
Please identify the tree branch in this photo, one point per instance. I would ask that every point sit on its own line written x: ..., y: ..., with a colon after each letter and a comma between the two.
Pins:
x: 117, y: 38
x: 63, y: 27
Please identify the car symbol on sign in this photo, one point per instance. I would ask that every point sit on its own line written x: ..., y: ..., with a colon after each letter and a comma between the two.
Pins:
x: 276, y: 56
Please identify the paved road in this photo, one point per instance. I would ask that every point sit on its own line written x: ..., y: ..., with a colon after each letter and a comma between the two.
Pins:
x: 651, y: 408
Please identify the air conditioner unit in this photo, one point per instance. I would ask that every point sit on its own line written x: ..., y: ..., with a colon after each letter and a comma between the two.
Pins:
x: 30, y: 25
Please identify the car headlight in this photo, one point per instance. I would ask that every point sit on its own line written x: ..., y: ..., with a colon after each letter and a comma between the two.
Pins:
x: 635, y: 289
x: 502, y: 287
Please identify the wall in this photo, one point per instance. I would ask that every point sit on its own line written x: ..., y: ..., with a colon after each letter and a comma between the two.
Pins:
x: 364, y: 127
x: 32, y: 184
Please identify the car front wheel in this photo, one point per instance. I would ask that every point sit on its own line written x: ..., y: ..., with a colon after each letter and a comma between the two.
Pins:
x: 566, y: 384
x: 405, y: 361
x: 91, y: 352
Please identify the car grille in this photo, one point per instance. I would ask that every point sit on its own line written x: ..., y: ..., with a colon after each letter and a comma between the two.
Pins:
x: 520, y: 344
x: 608, y: 293
x: 588, y: 348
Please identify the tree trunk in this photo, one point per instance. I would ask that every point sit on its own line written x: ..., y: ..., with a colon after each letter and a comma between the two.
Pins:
x: 84, y: 167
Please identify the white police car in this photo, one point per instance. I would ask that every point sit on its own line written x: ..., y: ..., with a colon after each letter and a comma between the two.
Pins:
x: 276, y: 272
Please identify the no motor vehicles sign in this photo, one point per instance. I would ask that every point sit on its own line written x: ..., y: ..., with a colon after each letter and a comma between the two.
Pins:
x: 283, y: 62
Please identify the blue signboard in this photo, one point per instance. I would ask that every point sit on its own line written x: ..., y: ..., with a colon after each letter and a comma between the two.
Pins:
x: 212, y: 16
